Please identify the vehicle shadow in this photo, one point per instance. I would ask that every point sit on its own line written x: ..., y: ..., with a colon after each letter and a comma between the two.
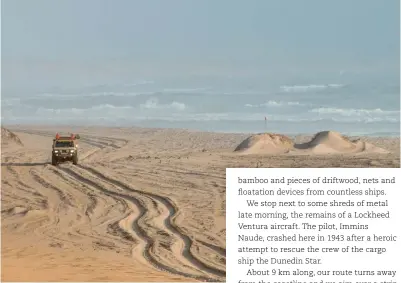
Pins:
x: 24, y: 164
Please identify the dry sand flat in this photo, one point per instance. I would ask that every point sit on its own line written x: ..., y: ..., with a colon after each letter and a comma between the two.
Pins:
x: 143, y: 204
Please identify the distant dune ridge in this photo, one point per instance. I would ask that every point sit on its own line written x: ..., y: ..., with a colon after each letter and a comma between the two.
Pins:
x: 326, y: 142
x: 9, y: 137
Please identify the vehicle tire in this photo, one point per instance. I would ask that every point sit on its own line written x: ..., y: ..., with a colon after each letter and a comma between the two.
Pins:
x: 54, y: 160
x: 75, y: 159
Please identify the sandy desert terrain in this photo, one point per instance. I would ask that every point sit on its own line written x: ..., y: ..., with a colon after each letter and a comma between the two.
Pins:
x: 142, y: 204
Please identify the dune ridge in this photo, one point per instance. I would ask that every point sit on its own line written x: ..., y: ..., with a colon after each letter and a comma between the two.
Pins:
x: 9, y: 137
x: 325, y: 142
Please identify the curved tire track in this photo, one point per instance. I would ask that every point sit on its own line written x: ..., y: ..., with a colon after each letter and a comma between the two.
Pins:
x: 167, y: 203
x: 169, y: 222
x: 111, y: 224
x: 140, y: 232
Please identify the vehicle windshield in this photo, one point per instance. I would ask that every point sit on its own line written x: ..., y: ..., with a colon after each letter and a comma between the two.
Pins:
x: 64, y: 144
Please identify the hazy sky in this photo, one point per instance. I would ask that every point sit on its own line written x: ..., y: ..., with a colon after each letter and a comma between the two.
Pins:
x: 74, y: 40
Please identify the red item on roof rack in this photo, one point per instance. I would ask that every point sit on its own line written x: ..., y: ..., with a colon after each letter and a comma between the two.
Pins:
x: 71, y: 137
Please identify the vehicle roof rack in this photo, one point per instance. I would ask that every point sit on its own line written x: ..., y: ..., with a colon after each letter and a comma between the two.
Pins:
x: 71, y: 137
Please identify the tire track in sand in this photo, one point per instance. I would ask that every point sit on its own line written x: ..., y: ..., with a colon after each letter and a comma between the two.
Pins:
x: 113, y: 227
x: 214, y: 275
x: 168, y: 222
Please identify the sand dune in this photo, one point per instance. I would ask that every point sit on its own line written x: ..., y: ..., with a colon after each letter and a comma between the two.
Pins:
x: 265, y: 143
x: 142, y: 204
x: 333, y: 142
x: 326, y: 142
x: 9, y: 137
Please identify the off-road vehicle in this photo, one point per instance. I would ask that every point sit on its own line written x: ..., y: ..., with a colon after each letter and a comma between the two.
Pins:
x: 65, y: 148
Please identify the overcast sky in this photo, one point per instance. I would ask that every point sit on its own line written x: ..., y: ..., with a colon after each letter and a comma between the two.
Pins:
x: 92, y: 40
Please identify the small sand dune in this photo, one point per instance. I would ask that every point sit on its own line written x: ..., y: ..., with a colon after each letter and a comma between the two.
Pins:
x: 9, y: 137
x: 326, y: 142
x: 265, y: 143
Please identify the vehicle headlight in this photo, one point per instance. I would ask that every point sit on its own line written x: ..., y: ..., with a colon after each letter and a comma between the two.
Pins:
x: 56, y: 151
x: 72, y: 150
